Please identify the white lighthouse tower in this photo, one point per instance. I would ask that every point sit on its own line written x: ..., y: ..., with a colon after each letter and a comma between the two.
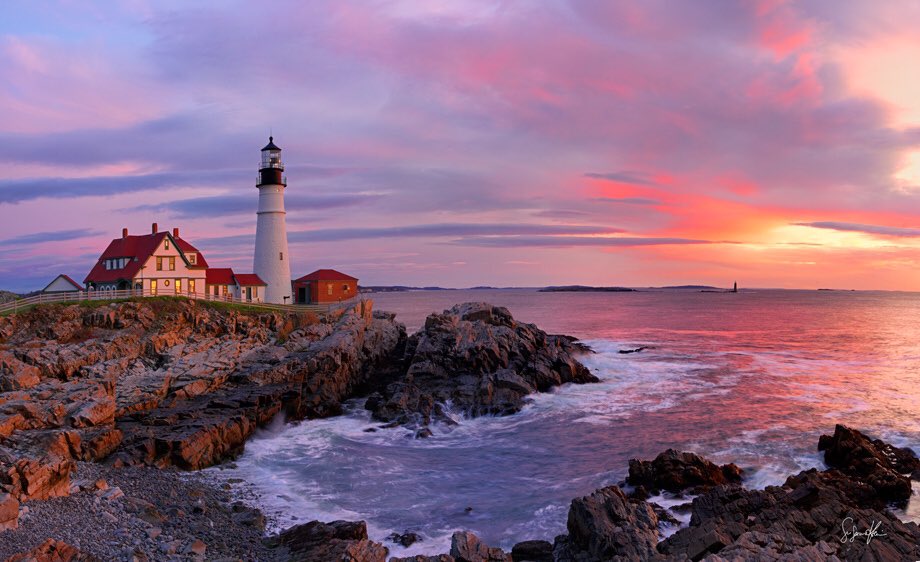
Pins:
x: 271, y: 261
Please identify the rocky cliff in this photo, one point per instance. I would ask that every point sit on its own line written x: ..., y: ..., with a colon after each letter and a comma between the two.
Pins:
x: 168, y: 382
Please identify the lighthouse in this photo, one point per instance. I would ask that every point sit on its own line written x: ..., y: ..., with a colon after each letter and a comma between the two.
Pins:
x: 272, y: 261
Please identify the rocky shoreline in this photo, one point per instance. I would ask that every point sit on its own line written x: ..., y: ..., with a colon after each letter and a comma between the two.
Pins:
x: 175, y: 384
x: 842, y: 513
x: 105, y: 409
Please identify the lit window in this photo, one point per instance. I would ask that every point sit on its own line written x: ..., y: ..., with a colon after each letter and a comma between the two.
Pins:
x: 167, y: 244
x: 345, y: 287
x: 153, y: 286
x: 172, y: 263
x: 329, y: 288
x: 191, y: 285
x: 192, y: 259
x: 178, y: 286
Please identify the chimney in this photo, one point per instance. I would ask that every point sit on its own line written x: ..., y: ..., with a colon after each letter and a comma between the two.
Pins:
x: 153, y: 228
x: 175, y: 233
x: 124, y: 232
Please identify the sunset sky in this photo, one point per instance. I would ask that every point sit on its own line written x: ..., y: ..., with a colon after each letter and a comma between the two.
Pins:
x: 469, y: 143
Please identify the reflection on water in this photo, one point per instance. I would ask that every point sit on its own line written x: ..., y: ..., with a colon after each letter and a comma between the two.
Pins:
x: 752, y: 378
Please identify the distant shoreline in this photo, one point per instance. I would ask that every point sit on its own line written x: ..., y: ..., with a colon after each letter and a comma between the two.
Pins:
x: 585, y: 289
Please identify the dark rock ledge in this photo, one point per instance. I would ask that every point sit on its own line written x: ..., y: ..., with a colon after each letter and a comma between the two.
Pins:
x: 480, y: 360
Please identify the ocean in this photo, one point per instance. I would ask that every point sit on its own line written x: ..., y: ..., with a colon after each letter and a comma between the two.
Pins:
x: 752, y: 378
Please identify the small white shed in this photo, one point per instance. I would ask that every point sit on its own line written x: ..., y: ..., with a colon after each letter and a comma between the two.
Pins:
x: 62, y: 284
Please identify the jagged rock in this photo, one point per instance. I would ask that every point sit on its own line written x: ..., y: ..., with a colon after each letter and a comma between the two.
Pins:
x: 197, y: 548
x: 405, y: 539
x: 532, y: 551
x: 882, y: 466
x: 9, y: 512
x: 53, y: 551
x: 478, y: 358
x: 675, y: 471
x: 338, y: 541
x: 790, y: 522
x: 35, y: 479
x: 423, y: 558
x: 607, y: 525
x: 466, y: 547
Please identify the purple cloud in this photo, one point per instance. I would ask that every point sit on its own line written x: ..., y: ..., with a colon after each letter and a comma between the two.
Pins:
x: 864, y: 228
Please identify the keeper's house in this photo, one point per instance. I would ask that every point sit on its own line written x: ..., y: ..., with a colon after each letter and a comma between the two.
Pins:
x: 162, y: 263
x: 159, y: 263
x: 324, y: 286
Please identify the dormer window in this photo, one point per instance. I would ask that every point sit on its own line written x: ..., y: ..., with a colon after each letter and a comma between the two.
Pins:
x: 192, y: 258
x: 166, y: 244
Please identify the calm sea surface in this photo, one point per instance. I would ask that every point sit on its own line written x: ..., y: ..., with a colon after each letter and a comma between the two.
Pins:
x: 752, y: 378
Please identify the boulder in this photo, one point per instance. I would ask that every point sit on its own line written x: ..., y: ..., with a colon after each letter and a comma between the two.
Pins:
x: 676, y: 472
x: 607, y: 525
x: 9, y: 512
x: 405, y: 539
x: 338, y: 541
x: 881, y: 465
x: 466, y: 547
x: 53, y: 551
x: 532, y: 551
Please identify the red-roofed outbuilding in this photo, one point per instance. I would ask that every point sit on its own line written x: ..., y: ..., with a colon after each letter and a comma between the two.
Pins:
x: 223, y: 282
x: 324, y: 286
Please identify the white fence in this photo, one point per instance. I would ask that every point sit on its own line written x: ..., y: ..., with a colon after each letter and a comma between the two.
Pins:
x: 78, y: 296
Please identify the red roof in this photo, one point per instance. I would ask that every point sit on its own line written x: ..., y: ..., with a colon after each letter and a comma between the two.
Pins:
x: 248, y: 280
x: 219, y: 276
x: 327, y: 275
x: 200, y: 262
x: 137, y: 249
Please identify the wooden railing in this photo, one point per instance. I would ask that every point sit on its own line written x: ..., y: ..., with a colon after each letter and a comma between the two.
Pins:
x: 79, y: 296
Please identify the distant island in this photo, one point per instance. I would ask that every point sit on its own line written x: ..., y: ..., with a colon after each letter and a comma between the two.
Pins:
x: 399, y: 289
x: 693, y: 287
x: 585, y: 289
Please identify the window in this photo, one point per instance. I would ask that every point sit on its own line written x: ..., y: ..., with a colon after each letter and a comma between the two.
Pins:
x: 191, y: 285
x: 106, y: 264
x: 178, y: 286
x: 166, y: 245
x: 192, y: 258
x: 159, y: 263
x: 345, y: 287
x: 328, y: 288
x: 281, y: 256
x: 249, y: 294
x: 153, y: 287
x: 172, y: 263
x: 216, y: 288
